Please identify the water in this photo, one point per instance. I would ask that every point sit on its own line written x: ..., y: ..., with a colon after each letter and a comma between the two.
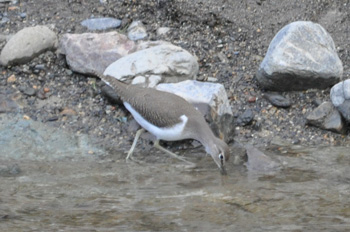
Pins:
x: 310, y: 192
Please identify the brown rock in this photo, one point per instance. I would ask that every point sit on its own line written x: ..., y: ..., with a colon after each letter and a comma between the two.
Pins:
x: 83, y: 50
x: 68, y: 111
x: 11, y: 79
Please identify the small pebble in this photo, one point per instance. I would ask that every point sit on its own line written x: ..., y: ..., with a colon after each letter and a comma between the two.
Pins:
x: 68, y: 111
x: 101, y: 23
x: 23, y: 15
x: 53, y: 118
x: 28, y: 91
x: 40, y: 66
x: 245, y: 118
x: 26, y: 117
x: 162, y: 30
x: 11, y: 79
x: 251, y: 99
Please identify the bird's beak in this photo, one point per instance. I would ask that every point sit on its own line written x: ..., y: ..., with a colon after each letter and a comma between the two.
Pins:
x: 222, y: 168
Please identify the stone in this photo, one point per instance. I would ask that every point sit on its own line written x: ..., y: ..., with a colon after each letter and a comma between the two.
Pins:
x: 301, y: 56
x: 246, y: 118
x: 83, y: 50
x: 259, y: 163
x: 172, y: 63
x: 149, y: 81
x: 7, y: 104
x: 25, y: 139
x: 101, y: 23
x: 340, y: 97
x: 277, y: 100
x: 210, y: 99
x: 141, y: 45
x: 9, y: 170
x: 5, y: 38
x: 137, y: 31
x: 162, y: 31
x: 27, y: 44
x: 11, y: 79
x: 68, y: 112
x: 29, y: 91
x: 326, y: 117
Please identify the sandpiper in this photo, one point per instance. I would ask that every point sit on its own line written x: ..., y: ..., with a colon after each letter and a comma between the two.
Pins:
x: 168, y: 117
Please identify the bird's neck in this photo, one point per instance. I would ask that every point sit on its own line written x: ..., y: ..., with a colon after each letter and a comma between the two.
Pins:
x: 208, y: 139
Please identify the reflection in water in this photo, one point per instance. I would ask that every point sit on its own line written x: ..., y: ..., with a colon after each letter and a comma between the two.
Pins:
x: 309, y: 193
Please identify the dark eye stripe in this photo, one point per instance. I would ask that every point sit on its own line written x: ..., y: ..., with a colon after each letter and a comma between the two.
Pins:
x: 221, y: 156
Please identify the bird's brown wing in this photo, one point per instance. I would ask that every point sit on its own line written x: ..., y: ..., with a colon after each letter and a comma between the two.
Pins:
x: 160, y: 108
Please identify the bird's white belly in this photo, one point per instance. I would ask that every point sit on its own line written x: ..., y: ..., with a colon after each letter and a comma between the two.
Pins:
x: 169, y: 133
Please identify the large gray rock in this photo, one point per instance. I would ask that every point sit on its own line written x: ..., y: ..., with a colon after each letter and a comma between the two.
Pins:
x: 172, y: 63
x: 22, y: 139
x: 326, y: 117
x: 83, y: 50
x: 340, y: 96
x: 210, y: 99
x: 301, y: 56
x: 27, y: 44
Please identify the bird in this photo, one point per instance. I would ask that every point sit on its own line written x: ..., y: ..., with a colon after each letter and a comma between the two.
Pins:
x: 168, y: 117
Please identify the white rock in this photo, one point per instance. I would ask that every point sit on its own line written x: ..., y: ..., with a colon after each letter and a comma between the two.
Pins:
x: 170, y: 62
x: 162, y: 30
x: 137, y: 31
x: 195, y: 92
x: 154, y: 80
x: 149, y: 81
x: 139, y: 80
x: 27, y: 44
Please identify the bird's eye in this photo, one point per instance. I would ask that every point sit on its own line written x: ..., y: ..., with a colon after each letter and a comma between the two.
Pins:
x: 221, y: 156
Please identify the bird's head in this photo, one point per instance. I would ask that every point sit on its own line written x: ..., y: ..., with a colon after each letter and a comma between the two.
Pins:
x: 220, y: 153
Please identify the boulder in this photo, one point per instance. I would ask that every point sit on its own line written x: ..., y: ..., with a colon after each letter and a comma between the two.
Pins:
x: 27, y: 44
x: 172, y: 63
x: 83, y: 50
x: 301, y: 56
x: 340, y: 96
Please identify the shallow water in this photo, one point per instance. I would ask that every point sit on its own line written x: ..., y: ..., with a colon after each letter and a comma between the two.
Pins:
x: 310, y: 192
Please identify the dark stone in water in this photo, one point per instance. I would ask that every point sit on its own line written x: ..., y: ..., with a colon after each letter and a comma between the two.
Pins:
x: 9, y: 170
x: 258, y: 162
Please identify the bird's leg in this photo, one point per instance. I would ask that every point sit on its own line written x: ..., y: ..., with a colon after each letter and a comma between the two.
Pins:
x: 137, y: 136
x: 156, y: 145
